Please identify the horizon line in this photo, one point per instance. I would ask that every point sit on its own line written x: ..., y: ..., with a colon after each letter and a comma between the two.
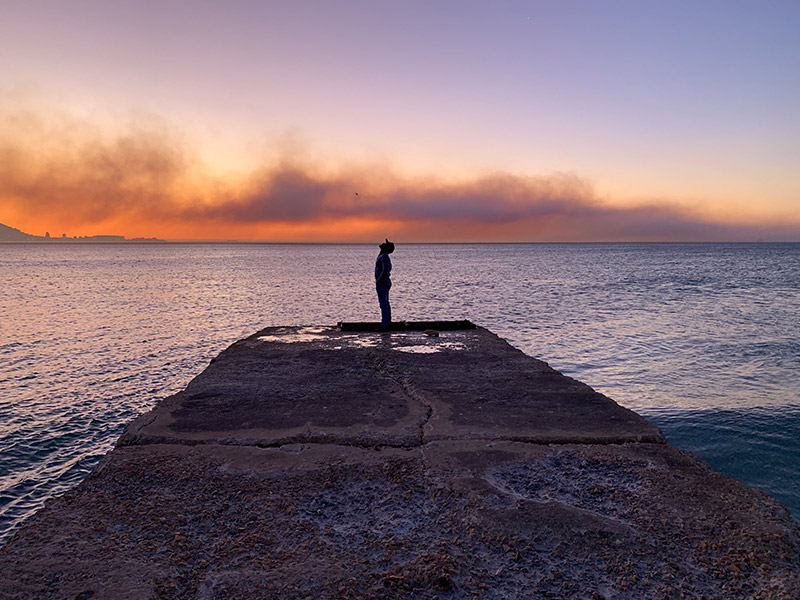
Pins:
x: 362, y: 243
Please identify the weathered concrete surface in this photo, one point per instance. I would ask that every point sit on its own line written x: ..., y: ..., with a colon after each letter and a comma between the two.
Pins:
x: 409, y: 496
x: 322, y: 385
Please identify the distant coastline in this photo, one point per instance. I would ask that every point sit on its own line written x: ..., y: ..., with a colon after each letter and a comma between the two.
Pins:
x: 12, y: 235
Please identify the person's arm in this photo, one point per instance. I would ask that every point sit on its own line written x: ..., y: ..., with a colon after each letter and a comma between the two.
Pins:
x: 380, y: 269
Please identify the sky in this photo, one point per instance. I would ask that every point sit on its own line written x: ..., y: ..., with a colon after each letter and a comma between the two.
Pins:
x: 418, y: 121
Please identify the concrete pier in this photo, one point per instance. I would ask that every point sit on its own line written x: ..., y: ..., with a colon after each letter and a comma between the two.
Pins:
x: 339, y: 462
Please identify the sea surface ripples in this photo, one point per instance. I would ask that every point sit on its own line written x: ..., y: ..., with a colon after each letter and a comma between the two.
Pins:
x: 700, y: 338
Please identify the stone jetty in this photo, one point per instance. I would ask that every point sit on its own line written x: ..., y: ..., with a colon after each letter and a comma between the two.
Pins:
x: 433, y: 461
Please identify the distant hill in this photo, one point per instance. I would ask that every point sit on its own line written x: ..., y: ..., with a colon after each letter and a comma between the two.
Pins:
x: 9, y: 234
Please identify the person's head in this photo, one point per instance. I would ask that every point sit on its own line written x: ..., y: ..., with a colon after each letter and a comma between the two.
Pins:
x: 387, y: 247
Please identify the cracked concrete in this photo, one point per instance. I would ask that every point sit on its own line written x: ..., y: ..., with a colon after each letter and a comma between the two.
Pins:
x: 329, y: 386
x: 327, y: 463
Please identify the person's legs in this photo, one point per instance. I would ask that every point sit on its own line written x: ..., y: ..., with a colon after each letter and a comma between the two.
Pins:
x: 386, y: 309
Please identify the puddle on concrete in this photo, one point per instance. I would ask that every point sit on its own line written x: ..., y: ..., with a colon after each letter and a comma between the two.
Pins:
x: 395, y: 341
x: 304, y: 334
x: 312, y: 330
x: 417, y: 349
x: 272, y: 338
x: 361, y: 342
x: 289, y: 338
x: 429, y: 349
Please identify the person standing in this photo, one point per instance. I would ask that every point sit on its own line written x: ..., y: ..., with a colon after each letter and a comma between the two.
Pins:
x: 383, y: 282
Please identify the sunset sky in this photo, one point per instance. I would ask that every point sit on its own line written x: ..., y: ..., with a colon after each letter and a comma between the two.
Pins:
x: 418, y: 121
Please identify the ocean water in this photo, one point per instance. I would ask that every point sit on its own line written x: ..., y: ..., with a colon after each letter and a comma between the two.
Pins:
x: 702, y: 339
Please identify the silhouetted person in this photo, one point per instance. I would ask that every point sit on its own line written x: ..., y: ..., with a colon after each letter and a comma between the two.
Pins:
x: 383, y: 282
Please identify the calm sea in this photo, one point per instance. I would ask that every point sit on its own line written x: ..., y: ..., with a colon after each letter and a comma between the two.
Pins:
x: 702, y: 339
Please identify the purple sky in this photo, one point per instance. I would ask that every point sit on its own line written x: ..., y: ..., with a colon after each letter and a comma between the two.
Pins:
x: 689, y: 105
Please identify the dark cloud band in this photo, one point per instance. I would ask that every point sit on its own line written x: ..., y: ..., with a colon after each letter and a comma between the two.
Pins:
x: 71, y: 171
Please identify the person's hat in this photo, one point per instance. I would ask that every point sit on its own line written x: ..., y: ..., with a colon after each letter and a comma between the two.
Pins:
x: 387, y: 247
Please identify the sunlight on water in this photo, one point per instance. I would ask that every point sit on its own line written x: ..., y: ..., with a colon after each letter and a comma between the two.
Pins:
x: 701, y: 338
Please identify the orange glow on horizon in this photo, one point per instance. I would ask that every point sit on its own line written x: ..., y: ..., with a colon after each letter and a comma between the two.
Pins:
x: 62, y: 175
